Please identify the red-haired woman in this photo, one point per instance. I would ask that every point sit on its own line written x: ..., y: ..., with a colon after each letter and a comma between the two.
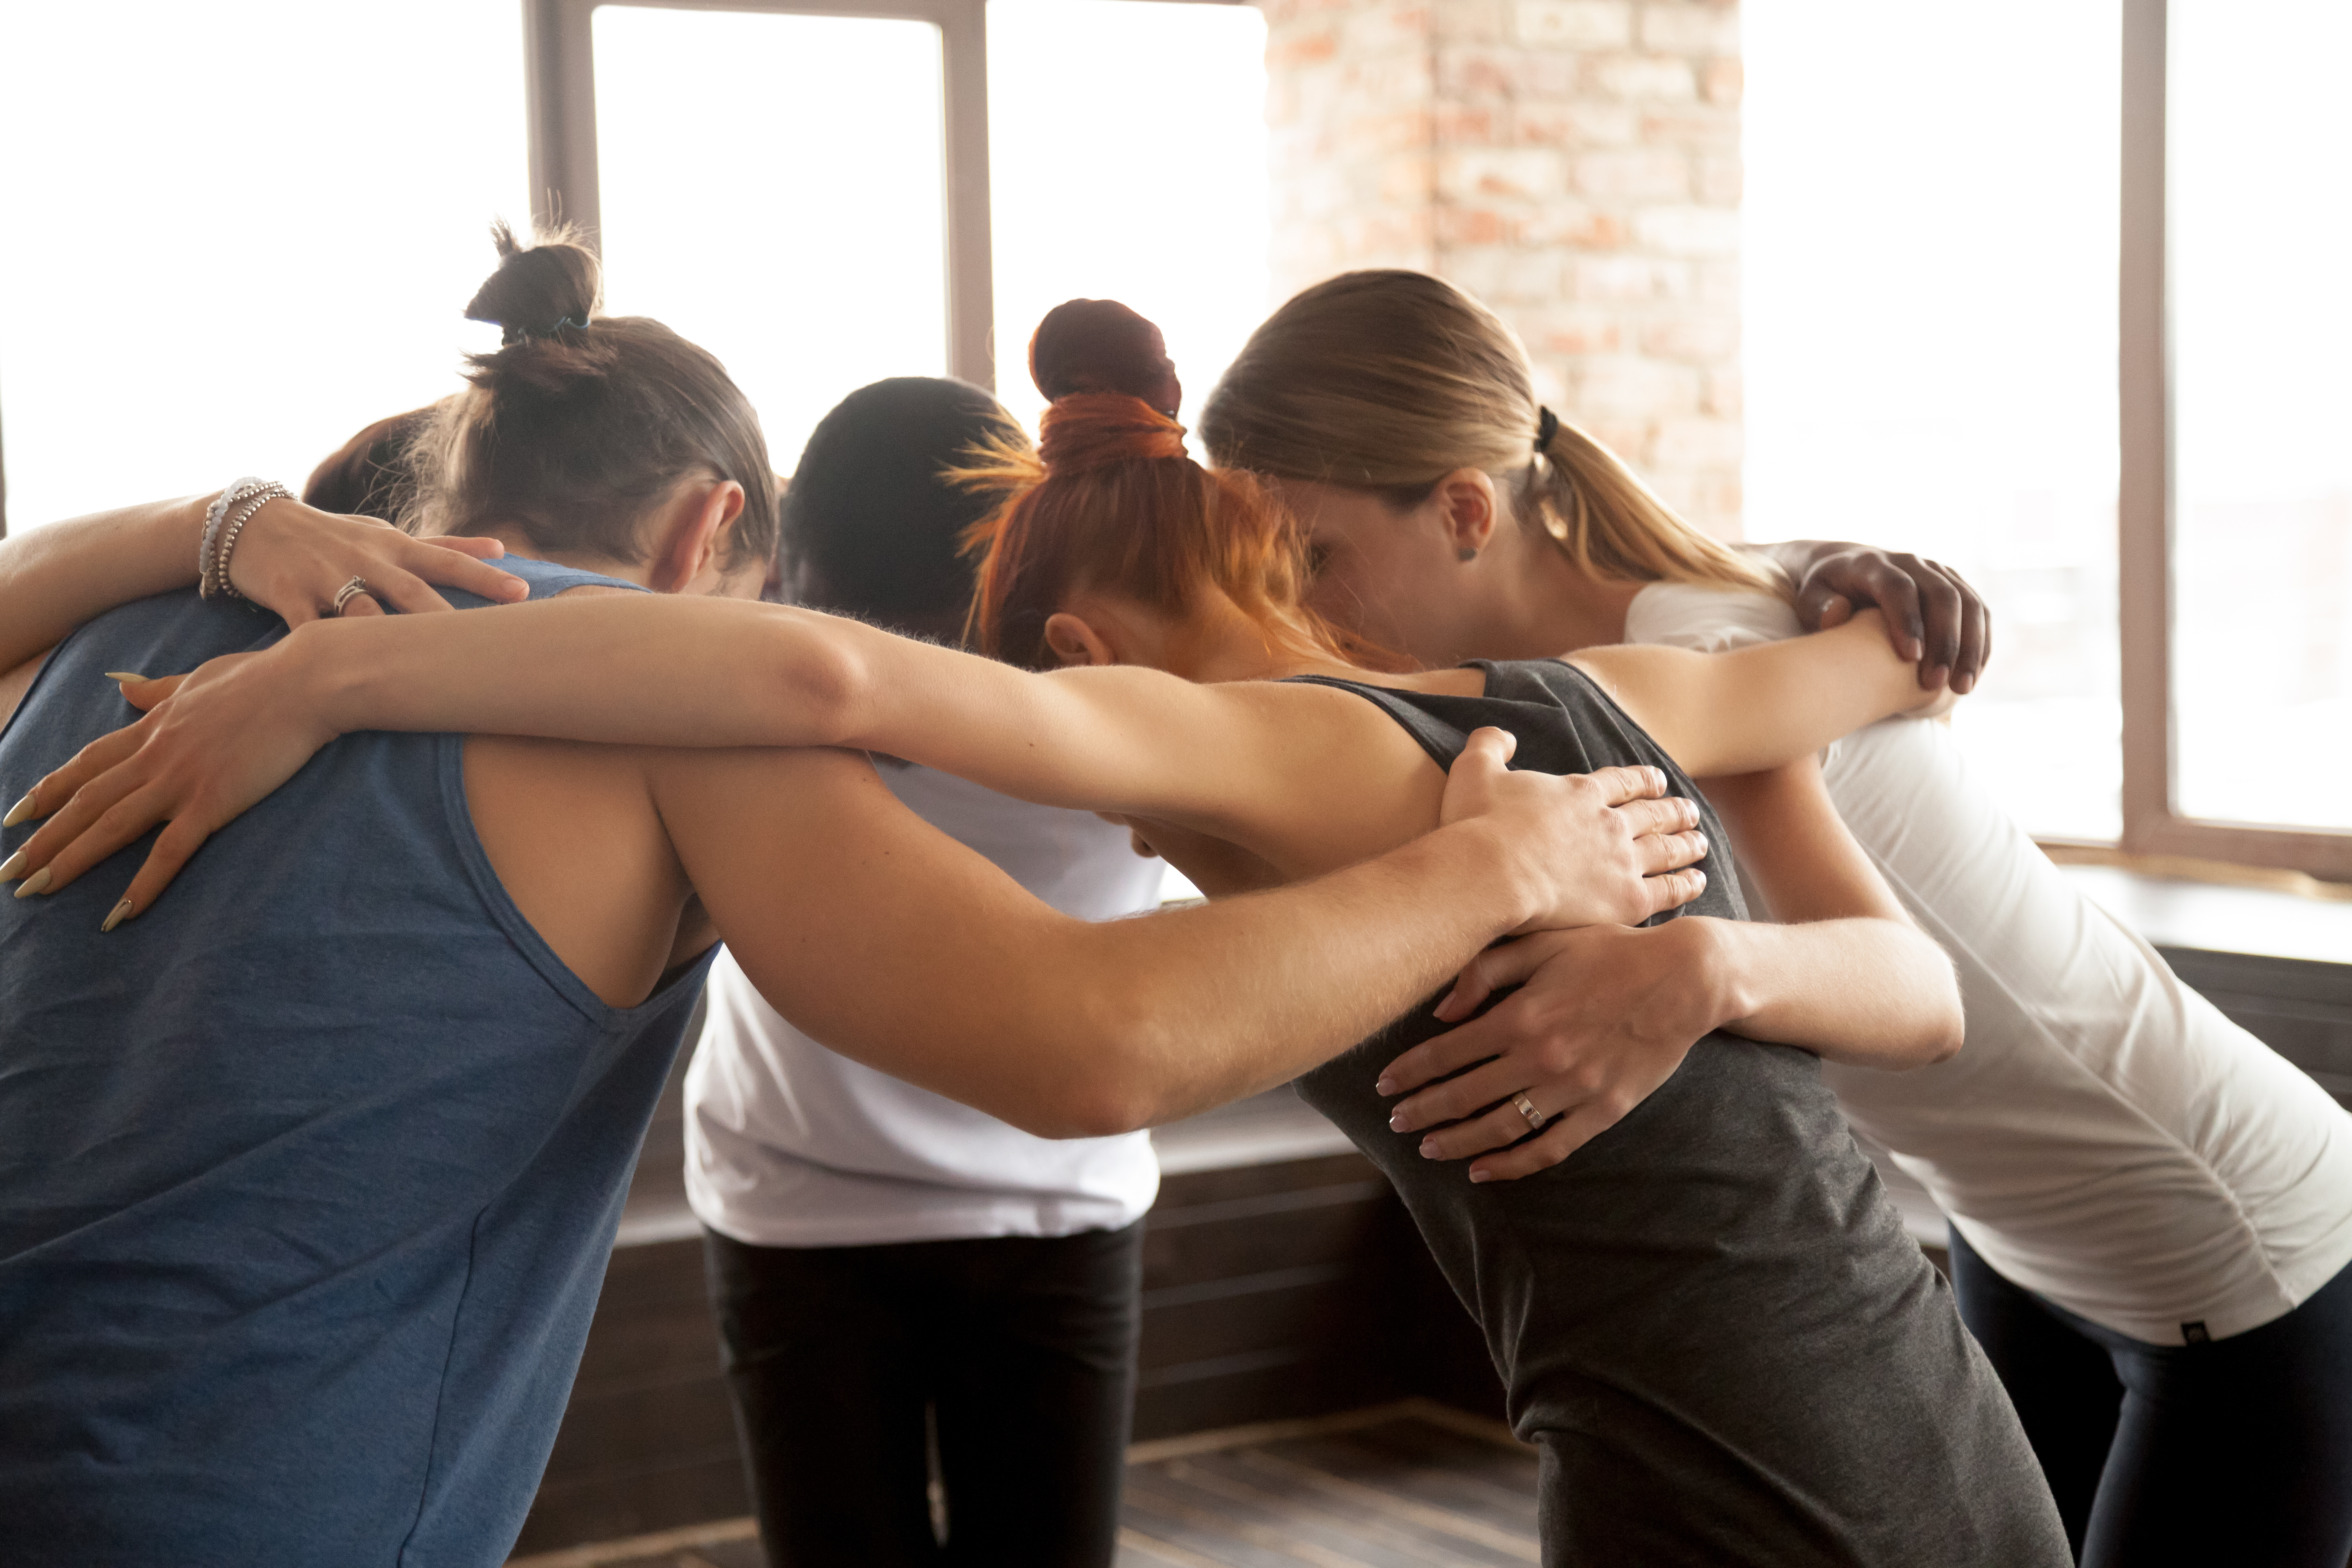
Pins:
x: 1711, y: 1320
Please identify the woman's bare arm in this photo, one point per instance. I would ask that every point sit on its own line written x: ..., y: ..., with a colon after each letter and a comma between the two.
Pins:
x: 290, y: 558
x: 1067, y: 1029
x: 1254, y: 763
x: 1758, y: 708
x: 1604, y: 1016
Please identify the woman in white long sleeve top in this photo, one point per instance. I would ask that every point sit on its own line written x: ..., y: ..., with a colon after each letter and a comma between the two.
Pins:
x: 903, y: 1281
x: 2151, y: 1211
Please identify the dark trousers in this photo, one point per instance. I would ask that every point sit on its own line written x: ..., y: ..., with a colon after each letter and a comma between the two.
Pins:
x: 2236, y: 1451
x: 1015, y: 1355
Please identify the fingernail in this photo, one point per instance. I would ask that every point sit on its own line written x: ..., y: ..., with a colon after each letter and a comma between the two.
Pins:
x: 1429, y: 1149
x: 1938, y: 676
x: 1386, y: 1086
x: 1964, y: 684
x: 124, y: 675
x: 33, y: 884
x: 1700, y: 875
x: 121, y: 911
x: 20, y: 810
x: 1704, y: 847
x: 1480, y: 1176
x: 1396, y: 1123
x: 12, y: 868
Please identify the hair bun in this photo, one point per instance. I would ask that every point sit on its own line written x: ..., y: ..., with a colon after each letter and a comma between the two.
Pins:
x: 1091, y: 429
x: 1100, y: 346
x: 539, y: 289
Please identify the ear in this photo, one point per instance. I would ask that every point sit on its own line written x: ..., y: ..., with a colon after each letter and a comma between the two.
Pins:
x: 1466, y: 503
x: 1074, y: 642
x: 699, y: 535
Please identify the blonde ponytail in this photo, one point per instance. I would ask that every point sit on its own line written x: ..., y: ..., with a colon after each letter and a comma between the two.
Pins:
x: 1388, y: 381
x: 1613, y: 526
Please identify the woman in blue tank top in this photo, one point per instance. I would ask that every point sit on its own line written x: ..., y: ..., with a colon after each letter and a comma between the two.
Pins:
x: 307, y: 1180
x: 1710, y: 1318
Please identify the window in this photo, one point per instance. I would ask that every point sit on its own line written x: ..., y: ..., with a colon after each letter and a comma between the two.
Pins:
x: 774, y: 188
x: 241, y: 240
x: 2239, y: 251
x: 2056, y: 300
x: 1929, y: 265
x: 1045, y: 123
x: 1112, y: 181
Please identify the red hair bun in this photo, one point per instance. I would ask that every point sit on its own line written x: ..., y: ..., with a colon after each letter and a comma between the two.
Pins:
x: 1100, y: 346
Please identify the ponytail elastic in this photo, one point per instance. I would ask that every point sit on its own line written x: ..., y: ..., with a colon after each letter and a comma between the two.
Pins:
x: 516, y: 334
x: 1547, y: 426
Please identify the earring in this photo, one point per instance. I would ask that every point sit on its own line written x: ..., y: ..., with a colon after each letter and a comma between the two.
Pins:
x: 1466, y: 554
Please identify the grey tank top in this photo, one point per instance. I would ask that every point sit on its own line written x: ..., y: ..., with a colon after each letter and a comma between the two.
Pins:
x: 1710, y: 1315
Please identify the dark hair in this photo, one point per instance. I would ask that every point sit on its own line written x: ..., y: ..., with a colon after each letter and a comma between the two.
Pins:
x: 871, y: 524
x: 368, y: 476
x: 579, y: 422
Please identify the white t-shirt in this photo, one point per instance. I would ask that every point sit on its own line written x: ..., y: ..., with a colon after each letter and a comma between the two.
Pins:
x: 788, y: 1144
x: 2105, y: 1137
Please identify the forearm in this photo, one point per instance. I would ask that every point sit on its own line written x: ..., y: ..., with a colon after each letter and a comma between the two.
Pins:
x: 1869, y: 992
x: 639, y: 669
x: 647, y: 670
x: 53, y: 578
x: 1166, y: 1017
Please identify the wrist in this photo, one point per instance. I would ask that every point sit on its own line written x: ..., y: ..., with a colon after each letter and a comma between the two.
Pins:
x: 1722, y: 960
x: 329, y: 686
x: 1515, y: 892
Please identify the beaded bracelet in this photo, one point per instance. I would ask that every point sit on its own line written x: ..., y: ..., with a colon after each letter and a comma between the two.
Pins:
x: 251, y: 502
x: 210, y: 583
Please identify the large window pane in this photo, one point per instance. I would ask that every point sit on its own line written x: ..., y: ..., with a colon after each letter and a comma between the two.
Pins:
x: 772, y: 187
x: 2261, y: 321
x: 1127, y: 161
x: 238, y: 232
x: 1930, y: 251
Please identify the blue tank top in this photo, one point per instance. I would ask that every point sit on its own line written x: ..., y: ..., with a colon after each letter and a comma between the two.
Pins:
x: 308, y: 1175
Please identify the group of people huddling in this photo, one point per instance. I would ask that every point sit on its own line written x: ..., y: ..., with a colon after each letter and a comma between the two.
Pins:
x: 343, y: 974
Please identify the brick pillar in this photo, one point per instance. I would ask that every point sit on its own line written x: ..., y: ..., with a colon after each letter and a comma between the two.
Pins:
x: 1575, y: 164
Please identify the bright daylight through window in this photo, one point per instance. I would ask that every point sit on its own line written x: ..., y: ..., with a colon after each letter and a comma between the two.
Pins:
x: 1929, y: 245
x: 238, y: 291
x: 772, y: 187
x: 2262, y: 648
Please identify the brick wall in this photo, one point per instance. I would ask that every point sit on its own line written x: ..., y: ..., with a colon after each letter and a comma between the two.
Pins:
x: 1573, y: 163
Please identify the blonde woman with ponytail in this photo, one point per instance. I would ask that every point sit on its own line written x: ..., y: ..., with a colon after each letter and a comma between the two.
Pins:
x: 2151, y: 1212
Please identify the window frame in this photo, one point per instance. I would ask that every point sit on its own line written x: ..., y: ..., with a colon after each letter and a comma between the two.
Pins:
x: 2145, y: 501
x: 560, y: 97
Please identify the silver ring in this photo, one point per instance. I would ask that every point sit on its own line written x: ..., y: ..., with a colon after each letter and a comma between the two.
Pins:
x: 346, y: 594
x: 1527, y: 1108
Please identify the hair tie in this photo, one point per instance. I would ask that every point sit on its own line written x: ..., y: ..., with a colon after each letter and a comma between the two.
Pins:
x: 516, y: 334
x: 1547, y: 426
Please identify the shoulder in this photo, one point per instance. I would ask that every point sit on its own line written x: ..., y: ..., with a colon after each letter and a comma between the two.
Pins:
x: 1709, y: 619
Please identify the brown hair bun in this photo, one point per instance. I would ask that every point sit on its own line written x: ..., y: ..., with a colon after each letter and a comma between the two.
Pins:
x: 1100, y: 346
x: 539, y: 289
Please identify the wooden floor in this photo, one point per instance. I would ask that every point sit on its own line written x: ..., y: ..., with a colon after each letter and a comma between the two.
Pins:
x: 1413, y: 1485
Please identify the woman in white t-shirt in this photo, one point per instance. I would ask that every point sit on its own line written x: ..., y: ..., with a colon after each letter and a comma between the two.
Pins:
x: 2151, y: 1211
x: 906, y: 1286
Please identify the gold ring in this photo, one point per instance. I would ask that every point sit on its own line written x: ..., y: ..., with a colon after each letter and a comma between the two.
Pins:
x: 1527, y: 1108
x: 346, y: 592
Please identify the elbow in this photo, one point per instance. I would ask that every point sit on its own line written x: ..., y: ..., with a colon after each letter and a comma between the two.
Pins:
x: 1943, y: 1026
x: 1104, y: 1074
x: 827, y: 686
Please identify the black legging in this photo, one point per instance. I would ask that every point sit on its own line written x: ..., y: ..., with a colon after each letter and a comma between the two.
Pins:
x: 1023, y: 1349
x: 2237, y: 1451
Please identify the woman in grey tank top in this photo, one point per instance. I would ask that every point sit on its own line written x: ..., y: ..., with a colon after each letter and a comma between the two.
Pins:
x: 1709, y: 1319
